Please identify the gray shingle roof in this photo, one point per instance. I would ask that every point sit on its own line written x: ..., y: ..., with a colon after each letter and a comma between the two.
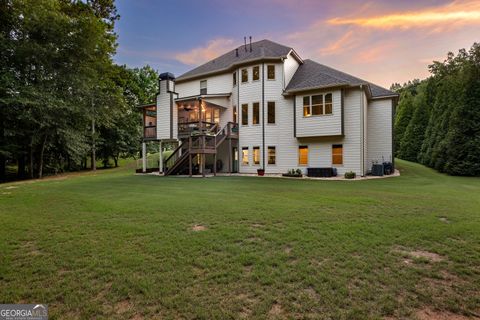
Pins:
x: 312, y: 75
x: 260, y: 50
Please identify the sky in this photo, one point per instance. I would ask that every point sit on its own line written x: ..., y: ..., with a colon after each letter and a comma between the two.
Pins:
x: 380, y: 41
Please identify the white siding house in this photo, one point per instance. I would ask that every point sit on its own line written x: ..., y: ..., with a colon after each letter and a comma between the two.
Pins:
x: 266, y: 108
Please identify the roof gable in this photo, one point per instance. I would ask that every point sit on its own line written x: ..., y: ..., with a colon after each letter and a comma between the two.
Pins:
x: 260, y: 50
x: 313, y: 75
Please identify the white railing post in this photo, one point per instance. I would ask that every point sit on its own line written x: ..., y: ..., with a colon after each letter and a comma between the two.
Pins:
x: 144, y: 157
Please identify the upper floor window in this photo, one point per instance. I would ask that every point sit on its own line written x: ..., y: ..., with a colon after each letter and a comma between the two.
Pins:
x: 203, y: 87
x: 256, y: 73
x: 271, y: 72
x: 244, y: 75
x: 234, y: 78
x: 337, y: 154
x: 256, y: 113
x: 244, y: 114
x: 234, y: 114
x: 256, y: 155
x: 271, y: 112
x: 303, y: 155
x: 316, y: 105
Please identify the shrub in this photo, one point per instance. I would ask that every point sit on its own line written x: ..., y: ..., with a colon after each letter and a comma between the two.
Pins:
x: 350, y: 175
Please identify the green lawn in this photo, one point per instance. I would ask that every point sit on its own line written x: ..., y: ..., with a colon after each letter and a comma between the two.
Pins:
x: 119, y: 245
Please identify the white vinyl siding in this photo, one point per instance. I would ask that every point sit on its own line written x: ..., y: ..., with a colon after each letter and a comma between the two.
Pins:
x: 222, y: 83
x: 320, y: 125
x: 379, y: 131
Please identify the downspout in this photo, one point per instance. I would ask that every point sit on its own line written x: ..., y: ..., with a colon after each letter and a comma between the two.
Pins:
x: 263, y: 115
x: 362, y: 115
x: 238, y: 119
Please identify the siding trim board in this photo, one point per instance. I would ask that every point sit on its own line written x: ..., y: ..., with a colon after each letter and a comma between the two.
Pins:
x: 263, y: 116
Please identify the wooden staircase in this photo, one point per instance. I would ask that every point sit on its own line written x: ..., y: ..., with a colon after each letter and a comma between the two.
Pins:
x: 198, y: 145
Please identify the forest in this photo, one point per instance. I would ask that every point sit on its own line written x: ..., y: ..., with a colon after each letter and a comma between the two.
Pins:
x: 64, y: 103
x: 437, y: 120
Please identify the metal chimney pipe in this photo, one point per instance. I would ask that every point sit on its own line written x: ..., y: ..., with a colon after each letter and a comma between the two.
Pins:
x: 245, y: 43
x: 250, y: 43
x: 236, y: 52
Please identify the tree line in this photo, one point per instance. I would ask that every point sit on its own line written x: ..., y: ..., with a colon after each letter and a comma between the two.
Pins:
x: 63, y: 100
x: 437, y: 121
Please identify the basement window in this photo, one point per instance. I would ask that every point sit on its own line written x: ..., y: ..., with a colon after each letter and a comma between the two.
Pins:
x: 203, y: 87
x: 256, y: 155
x: 271, y: 155
x: 245, y: 156
x: 337, y: 154
x: 303, y: 155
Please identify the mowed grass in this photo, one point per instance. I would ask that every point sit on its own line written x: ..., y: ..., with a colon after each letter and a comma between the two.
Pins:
x: 117, y: 245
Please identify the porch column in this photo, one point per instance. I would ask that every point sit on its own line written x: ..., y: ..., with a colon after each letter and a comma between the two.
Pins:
x: 160, y: 164
x: 230, y: 155
x: 144, y: 157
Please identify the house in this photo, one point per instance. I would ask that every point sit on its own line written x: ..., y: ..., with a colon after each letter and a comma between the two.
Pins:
x: 261, y: 106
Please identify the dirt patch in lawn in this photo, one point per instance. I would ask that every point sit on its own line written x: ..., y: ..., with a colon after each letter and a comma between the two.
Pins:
x: 419, y: 254
x: 275, y: 311
x: 429, y: 314
x: 123, y: 306
x: 199, y: 227
x: 444, y: 220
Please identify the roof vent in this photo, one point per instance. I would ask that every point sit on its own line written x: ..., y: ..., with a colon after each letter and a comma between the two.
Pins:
x: 236, y: 52
x: 245, y: 43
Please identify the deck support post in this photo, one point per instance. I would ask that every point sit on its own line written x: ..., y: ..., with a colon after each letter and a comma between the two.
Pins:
x: 144, y: 157
x: 230, y: 155
x: 215, y: 163
x: 160, y: 158
x: 203, y: 165
x: 190, y: 164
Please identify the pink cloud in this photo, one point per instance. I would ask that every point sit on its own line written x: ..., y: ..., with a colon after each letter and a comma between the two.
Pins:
x: 202, y: 54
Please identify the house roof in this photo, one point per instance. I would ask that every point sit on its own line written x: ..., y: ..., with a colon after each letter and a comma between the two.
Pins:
x: 261, y: 50
x: 313, y: 75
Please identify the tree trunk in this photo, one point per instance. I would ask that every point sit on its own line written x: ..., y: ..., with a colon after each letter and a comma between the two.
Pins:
x: 30, y: 164
x: 3, y: 168
x: 42, y: 151
x: 21, y: 166
x: 94, y: 159
x: 115, y: 159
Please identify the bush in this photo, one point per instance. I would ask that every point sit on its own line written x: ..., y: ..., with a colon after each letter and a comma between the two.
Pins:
x: 293, y: 173
x: 350, y: 175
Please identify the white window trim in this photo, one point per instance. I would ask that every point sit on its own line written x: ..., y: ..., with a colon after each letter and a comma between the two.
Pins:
x: 259, y: 77
x: 259, y: 155
x: 310, y: 106
x: 274, y: 72
x: 241, y: 75
x: 272, y: 164
x: 308, y: 156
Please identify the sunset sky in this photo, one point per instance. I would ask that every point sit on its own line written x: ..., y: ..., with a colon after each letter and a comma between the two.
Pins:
x: 380, y: 41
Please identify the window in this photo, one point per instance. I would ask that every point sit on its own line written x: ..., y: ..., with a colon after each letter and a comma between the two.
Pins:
x: 328, y: 103
x: 256, y: 155
x: 256, y: 113
x: 303, y: 155
x: 244, y: 114
x: 306, y: 107
x: 234, y: 78
x: 216, y: 115
x: 244, y: 75
x: 271, y: 112
x: 271, y: 72
x: 245, y: 156
x: 337, y: 154
x: 256, y: 73
x: 271, y: 155
x: 234, y: 114
x: 203, y: 87
x: 317, y: 105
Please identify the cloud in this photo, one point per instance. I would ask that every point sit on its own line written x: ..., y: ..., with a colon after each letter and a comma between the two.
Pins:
x: 211, y: 50
x: 456, y: 12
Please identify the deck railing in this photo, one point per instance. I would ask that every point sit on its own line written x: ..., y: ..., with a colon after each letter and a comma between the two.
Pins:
x: 150, y: 132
